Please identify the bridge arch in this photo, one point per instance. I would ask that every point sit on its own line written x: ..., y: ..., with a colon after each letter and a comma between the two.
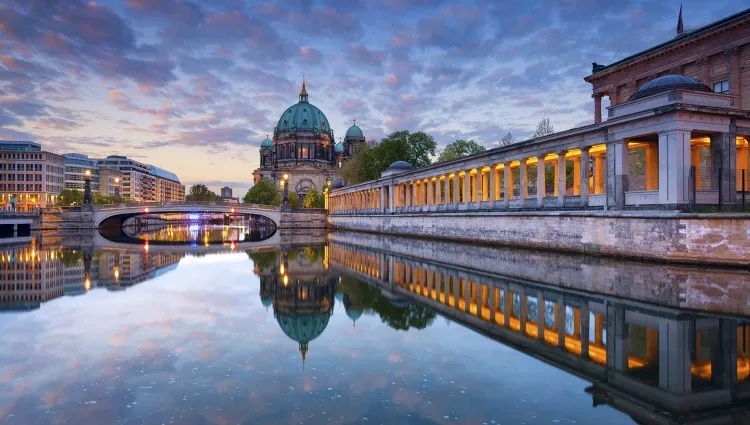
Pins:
x: 114, y: 215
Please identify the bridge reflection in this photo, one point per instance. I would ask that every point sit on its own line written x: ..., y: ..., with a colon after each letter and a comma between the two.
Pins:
x: 655, y: 362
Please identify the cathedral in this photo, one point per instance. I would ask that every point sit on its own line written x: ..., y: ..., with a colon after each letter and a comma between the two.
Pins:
x: 303, y: 148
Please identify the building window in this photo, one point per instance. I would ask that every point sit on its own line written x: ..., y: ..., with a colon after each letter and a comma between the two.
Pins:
x: 722, y: 87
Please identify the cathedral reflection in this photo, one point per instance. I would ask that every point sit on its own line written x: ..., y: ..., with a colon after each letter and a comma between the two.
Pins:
x: 297, y: 285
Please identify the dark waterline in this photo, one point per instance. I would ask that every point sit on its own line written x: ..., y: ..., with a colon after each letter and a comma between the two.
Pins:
x: 309, y: 334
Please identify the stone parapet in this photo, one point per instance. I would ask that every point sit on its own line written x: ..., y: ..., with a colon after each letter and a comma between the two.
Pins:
x: 720, y: 239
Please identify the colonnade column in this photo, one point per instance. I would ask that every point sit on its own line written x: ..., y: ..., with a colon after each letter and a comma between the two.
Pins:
x: 585, y: 176
x: 467, y: 187
x: 478, y: 186
x: 561, y: 178
x: 492, y: 190
x: 456, y: 188
x: 438, y: 194
x: 430, y: 193
x: 391, y: 198
x: 541, y: 181
x: 508, y: 183
x: 618, y: 180
x: 446, y: 190
x: 674, y: 166
x: 600, y: 176
x: 524, y: 183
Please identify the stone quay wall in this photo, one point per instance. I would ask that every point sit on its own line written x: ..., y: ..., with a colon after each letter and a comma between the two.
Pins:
x: 303, y: 219
x: 719, y: 239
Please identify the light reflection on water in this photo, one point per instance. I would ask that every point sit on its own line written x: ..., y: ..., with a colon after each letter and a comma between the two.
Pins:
x: 127, y: 336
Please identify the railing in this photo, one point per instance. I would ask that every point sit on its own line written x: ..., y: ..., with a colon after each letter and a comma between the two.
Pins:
x: 104, y: 207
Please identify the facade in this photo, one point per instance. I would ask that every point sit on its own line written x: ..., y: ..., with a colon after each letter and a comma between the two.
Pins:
x: 717, y: 55
x: 138, y: 183
x: 226, y: 192
x: 76, y: 165
x: 168, y: 186
x: 30, y: 178
x: 110, y: 182
x: 304, y: 149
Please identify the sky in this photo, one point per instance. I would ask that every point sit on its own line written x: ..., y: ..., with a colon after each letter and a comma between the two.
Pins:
x: 195, y: 86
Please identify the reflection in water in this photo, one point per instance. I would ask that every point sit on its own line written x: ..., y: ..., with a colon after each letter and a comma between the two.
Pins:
x: 197, y: 345
x: 201, y: 234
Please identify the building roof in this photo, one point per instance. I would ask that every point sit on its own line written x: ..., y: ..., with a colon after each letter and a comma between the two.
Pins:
x: 303, y: 116
x: 400, y: 165
x: 667, y: 83
x: 682, y: 37
x: 160, y: 172
x: 354, y: 131
x: 338, y: 148
x: 267, y: 143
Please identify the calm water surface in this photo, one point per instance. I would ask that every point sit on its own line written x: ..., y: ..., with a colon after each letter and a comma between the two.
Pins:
x: 292, y: 335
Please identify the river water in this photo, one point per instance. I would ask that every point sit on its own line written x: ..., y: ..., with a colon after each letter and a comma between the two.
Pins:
x: 345, y: 328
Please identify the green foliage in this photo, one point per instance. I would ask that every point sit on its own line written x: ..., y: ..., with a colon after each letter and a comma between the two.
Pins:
x: 264, y: 260
x: 294, y: 201
x: 459, y: 149
x: 70, y: 197
x: 368, y: 298
x: 543, y: 128
x: 263, y: 193
x: 201, y: 193
x: 71, y: 257
x: 369, y: 161
x: 313, y: 200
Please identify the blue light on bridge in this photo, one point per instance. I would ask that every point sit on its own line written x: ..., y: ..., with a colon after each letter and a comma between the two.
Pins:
x: 194, y: 217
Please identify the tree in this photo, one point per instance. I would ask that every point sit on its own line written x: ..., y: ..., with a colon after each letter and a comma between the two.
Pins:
x: 200, y: 193
x: 293, y: 200
x: 313, y: 200
x: 508, y: 139
x: 543, y: 128
x: 357, y: 165
x: 459, y: 149
x: 368, y: 161
x: 263, y: 193
x: 70, y: 197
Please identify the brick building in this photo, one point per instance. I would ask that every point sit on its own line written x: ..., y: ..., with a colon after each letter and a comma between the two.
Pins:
x: 718, y: 55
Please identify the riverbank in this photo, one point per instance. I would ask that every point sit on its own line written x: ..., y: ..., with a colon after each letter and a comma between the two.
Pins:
x: 669, y: 236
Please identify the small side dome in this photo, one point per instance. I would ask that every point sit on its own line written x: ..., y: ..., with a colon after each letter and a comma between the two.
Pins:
x: 400, y: 165
x: 354, y: 131
x: 266, y: 301
x: 266, y: 143
x: 338, y: 148
x: 338, y: 184
x: 667, y: 83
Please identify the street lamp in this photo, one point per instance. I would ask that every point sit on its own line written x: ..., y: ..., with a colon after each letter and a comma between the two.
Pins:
x: 87, y: 187
x: 285, y: 188
x: 117, y: 190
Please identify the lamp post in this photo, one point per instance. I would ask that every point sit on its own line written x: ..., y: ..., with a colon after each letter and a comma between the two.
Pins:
x: 285, y: 188
x: 117, y: 190
x: 87, y: 187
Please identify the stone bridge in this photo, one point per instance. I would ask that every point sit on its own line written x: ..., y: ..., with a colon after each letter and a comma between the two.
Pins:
x: 115, y: 215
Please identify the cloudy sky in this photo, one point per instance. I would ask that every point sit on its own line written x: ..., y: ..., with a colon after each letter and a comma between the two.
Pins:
x: 194, y: 86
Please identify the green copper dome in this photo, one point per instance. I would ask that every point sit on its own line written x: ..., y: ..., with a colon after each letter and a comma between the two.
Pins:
x: 354, y: 131
x: 304, y: 328
x: 266, y: 143
x: 338, y: 148
x: 303, y: 116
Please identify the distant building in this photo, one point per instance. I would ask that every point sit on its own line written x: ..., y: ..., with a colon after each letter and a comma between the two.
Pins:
x: 138, y: 183
x: 168, y: 186
x: 29, y: 176
x: 76, y: 165
x: 29, y: 278
x: 110, y: 182
x: 226, y: 192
